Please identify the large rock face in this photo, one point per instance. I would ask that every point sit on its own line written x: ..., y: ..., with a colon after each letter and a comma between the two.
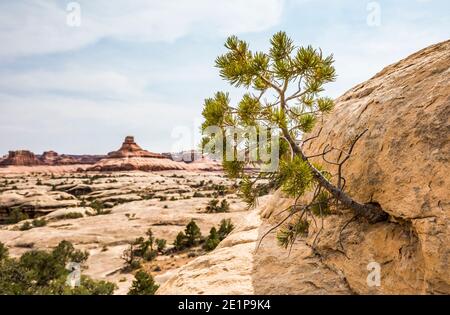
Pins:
x: 22, y: 158
x: 401, y: 163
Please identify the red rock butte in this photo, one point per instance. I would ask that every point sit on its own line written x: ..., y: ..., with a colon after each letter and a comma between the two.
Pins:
x: 129, y: 148
x: 22, y: 158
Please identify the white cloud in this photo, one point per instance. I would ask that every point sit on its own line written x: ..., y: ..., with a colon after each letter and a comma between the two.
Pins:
x: 71, y: 79
x: 40, y: 26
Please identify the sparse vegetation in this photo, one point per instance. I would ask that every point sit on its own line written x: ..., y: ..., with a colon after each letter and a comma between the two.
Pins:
x: 191, y: 237
x: 143, y: 284
x: 25, y: 226
x: 3, y: 251
x: 214, y: 207
x: 39, y: 222
x: 40, y: 272
x: 212, y: 240
x: 99, y: 208
x: 216, y: 236
x: 198, y: 195
x: 143, y: 249
x: 16, y: 215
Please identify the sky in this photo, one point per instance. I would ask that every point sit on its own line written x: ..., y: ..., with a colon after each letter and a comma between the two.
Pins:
x: 77, y: 77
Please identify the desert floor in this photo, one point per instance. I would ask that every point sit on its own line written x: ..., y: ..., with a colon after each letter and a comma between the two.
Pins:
x: 134, y: 202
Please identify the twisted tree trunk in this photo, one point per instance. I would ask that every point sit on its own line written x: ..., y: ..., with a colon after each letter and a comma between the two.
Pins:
x: 371, y: 212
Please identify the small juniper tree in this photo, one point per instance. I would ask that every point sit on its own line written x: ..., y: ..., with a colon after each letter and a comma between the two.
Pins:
x: 212, y: 240
x: 283, y: 92
x: 193, y: 234
x: 143, y: 284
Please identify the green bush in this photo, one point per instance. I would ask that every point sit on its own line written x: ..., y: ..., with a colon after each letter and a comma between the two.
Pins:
x: 212, y: 240
x: 198, y: 195
x: 191, y: 237
x: 26, y: 226
x: 193, y: 234
x: 143, y: 284
x: 41, y: 272
x: 214, y: 207
x: 16, y: 215
x: 141, y: 248
x: 216, y: 236
x: 161, y: 244
x: 3, y: 251
x: 39, y: 222
x: 180, y: 241
x: 99, y: 208
x: 225, y: 228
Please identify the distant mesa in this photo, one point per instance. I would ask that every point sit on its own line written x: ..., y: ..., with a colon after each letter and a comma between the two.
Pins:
x: 21, y: 158
x: 129, y: 157
x: 129, y: 148
x: 49, y: 158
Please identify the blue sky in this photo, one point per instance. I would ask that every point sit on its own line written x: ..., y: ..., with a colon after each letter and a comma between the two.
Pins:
x: 144, y: 69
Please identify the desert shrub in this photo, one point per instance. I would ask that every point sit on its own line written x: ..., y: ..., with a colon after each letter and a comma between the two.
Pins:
x: 141, y: 248
x: 217, y: 235
x: 198, y: 195
x: 26, y: 226
x: 41, y: 272
x: 93, y: 287
x: 39, y: 222
x: 220, y: 190
x: 191, y: 237
x: 160, y: 244
x: 225, y: 228
x: 70, y: 215
x: 98, y: 207
x: 16, y: 215
x: 65, y: 251
x: 3, y: 251
x: 131, y: 260
x: 180, y: 241
x: 143, y: 284
x: 212, y: 240
x: 214, y: 206
x: 193, y: 234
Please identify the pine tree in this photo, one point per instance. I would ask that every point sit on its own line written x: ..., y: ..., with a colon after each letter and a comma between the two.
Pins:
x: 193, y: 234
x: 143, y: 284
x: 212, y: 240
x: 284, y: 88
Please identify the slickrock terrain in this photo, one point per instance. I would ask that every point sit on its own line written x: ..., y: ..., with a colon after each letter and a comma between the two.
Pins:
x: 103, y: 212
x: 401, y: 163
